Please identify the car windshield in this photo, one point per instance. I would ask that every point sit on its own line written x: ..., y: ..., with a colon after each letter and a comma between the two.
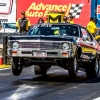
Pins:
x: 59, y: 30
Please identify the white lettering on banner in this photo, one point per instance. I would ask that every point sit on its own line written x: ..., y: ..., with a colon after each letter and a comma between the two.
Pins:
x: 8, y: 11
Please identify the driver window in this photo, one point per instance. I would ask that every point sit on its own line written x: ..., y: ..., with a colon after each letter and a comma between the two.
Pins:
x: 86, y: 34
x: 90, y: 35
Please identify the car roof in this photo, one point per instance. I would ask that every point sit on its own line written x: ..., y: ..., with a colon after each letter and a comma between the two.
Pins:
x: 58, y: 24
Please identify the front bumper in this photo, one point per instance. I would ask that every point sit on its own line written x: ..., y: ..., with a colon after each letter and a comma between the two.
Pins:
x: 49, y: 53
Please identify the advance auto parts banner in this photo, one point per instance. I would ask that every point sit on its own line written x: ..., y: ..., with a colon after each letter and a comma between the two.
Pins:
x: 79, y: 9
x: 8, y: 15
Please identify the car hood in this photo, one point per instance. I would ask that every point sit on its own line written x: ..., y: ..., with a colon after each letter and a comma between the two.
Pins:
x: 48, y: 38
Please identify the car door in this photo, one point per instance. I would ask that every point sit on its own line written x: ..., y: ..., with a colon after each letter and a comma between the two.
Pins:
x: 88, y: 43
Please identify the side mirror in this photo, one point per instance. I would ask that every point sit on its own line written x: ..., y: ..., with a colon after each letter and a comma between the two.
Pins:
x: 99, y: 42
x: 85, y: 38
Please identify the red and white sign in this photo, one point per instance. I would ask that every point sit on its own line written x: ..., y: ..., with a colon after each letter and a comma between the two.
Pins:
x: 6, y: 6
x: 98, y: 9
x: 8, y: 11
x: 98, y: 12
x: 79, y: 9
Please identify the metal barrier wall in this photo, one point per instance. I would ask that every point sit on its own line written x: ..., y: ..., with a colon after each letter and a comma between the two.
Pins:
x: 5, y: 34
x: 4, y: 40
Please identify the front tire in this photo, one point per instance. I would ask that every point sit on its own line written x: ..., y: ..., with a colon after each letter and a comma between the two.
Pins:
x: 16, y: 68
x: 92, y: 69
x: 73, y: 66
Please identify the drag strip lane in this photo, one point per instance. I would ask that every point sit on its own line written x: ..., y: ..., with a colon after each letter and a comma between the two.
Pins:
x: 56, y: 84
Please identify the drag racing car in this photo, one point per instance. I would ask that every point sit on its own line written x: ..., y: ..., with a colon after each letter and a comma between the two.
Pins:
x: 69, y: 46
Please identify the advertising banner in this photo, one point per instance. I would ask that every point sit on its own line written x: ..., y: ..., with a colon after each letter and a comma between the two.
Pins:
x: 8, y: 15
x: 98, y: 12
x: 35, y: 9
x: 8, y: 11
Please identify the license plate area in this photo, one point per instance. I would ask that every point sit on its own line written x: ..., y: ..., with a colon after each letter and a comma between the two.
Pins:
x: 39, y: 54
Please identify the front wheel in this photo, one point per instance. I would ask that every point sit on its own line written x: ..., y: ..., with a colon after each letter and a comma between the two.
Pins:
x: 16, y: 67
x: 73, y: 66
x: 92, y: 69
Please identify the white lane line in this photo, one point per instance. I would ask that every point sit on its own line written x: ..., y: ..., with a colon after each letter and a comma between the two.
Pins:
x: 23, y: 92
x: 5, y: 68
x: 97, y: 98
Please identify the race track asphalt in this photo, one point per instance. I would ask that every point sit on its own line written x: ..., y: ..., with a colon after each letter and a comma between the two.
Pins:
x: 56, y: 85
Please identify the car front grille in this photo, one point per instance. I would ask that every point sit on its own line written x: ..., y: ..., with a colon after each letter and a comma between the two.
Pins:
x: 44, y: 45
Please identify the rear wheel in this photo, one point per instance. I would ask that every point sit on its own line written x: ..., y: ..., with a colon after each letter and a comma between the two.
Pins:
x: 16, y: 66
x: 92, y: 69
x: 40, y: 70
x: 73, y: 66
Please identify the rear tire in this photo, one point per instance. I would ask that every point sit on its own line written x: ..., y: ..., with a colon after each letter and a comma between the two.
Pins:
x: 40, y: 70
x: 16, y: 68
x: 73, y: 66
x: 92, y: 69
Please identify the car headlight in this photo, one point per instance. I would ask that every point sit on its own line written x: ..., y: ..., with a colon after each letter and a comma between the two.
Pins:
x: 15, y: 45
x: 65, y: 46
